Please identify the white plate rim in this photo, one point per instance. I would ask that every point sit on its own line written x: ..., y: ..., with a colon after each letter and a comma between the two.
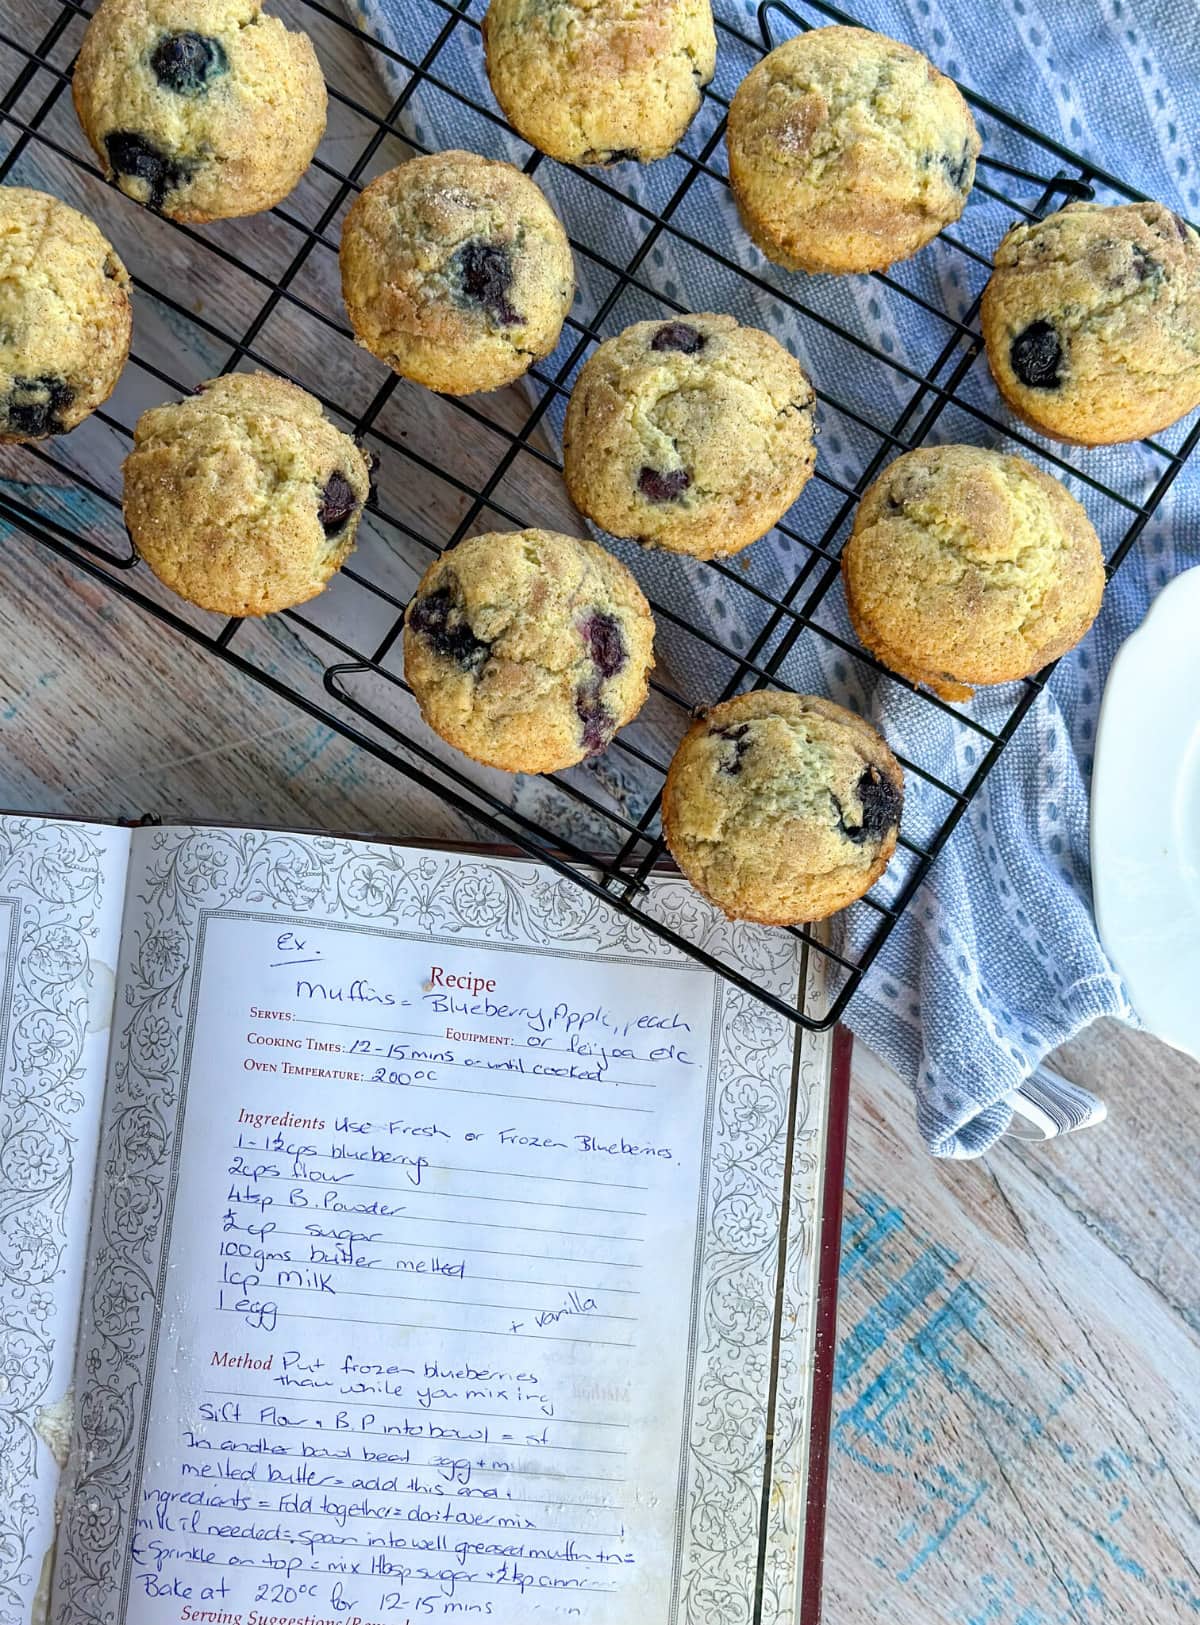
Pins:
x: 1143, y: 891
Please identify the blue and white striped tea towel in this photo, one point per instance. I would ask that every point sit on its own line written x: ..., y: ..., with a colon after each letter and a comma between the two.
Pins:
x: 997, y: 961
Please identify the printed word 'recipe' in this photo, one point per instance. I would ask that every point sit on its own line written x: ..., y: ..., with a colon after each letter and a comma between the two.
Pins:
x: 464, y: 984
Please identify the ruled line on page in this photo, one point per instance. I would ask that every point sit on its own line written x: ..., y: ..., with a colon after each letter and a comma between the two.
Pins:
x: 360, y: 1272
x: 299, y: 1266
x: 553, y: 1179
x: 245, y: 1144
x: 382, y: 1273
x: 313, y: 1457
x: 424, y: 1326
x: 497, y: 1070
x: 565, y: 1286
x: 395, y: 1434
x: 491, y: 1224
x: 340, y: 1574
x: 490, y: 1252
x: 507, y: 1094
x: 409, y: 1297
x: 440, y: 1038
x: 511, y: 1529
x: 408, y: 1188
x: 408, y: 1410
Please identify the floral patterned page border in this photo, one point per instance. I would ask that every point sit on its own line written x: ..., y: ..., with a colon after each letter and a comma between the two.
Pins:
x: 61, y: 886
x: 773, y: 1117
x: 179, y: 876
x: 799, y: 1310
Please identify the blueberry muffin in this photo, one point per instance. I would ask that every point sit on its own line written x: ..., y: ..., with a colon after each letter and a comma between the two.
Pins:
x: 527, y: 650
x: 456, y: 272
x: 693, y: 434
x: 600, y: 81
x: 202, y: 109
x: 65, y: 317
x: 966, y: 566
x: 243, y: 498
x: 1092, y: 321
x: 782, y: 808
x: 847, y: 151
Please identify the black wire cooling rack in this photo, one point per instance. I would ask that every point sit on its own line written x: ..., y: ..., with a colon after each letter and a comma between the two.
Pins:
x: 264, y: 293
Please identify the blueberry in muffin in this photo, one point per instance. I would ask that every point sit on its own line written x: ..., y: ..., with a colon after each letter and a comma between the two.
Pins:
x: 1091, y: 319
x: 456, y: 272
x: 186, y: 62
x: 782, y: 808
x: 694, y: 434
x: 527, y: 650
x: 244, y: 498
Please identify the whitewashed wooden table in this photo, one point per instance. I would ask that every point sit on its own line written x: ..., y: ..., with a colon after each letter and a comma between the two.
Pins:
x: 1016, y: 1431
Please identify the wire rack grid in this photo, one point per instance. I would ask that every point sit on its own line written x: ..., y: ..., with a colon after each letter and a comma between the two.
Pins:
x: 264, y: 295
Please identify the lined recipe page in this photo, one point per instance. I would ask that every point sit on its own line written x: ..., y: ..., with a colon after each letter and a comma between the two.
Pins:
x: 430, y: 1266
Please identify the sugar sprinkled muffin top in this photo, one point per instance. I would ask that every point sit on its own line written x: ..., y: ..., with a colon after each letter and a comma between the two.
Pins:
x: 848, y: 151
x: 600, y: 81
x: 244, y: 498
x: 456, y: 271
x: 782, y: 808
x: 693, y: 434
x: 65, y: 316
x: 967, y: 566
x: 528, y: 649
x: 1092, y: 321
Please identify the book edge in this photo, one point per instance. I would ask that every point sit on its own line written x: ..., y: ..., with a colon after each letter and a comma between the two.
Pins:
x: 812, y: 1550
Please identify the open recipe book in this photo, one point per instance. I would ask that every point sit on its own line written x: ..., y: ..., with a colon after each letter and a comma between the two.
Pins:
x: 392, y: 1235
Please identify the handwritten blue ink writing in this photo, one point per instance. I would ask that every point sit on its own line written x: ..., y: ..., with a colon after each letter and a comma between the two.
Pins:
x: 358, y: 991
x: 561, y: 1017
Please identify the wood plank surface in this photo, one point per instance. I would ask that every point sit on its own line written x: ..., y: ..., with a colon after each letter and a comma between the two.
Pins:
x: 1017, y: 1422
x: 1017, y: 1409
